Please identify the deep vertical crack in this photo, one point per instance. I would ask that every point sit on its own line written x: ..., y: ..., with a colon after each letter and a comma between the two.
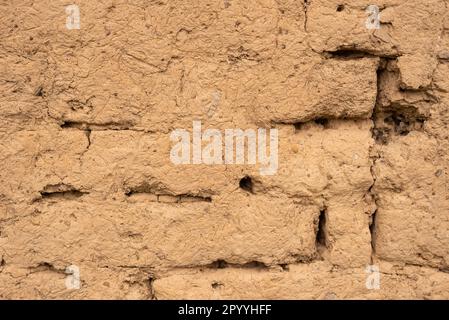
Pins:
x: 321, y: 234
x: 374, y: 157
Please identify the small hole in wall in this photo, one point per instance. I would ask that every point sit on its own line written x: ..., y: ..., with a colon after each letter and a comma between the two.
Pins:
x: 246, y: 184
x: 340, y: 8
x: 284, y: 267
x: 402, y: 124
x: 321, y: 240
x: 39, y: 92
x: 216, y: 285
x: 322, y: 121
x: 219, y: 264
x: 372, y: 230
x: 298, y: 126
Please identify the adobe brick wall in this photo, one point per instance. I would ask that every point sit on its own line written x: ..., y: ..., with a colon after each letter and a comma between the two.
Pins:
x: 85, y: 171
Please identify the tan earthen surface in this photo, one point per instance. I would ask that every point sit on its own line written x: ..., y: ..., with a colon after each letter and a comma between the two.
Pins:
x: 86, y: 177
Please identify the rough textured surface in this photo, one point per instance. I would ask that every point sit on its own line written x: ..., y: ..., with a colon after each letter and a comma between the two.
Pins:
x: 85, y: 171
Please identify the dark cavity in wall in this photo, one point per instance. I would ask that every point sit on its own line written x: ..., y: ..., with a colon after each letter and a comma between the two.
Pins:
x: 321, y: 236
x: 246, y: 183
x: 372, y: 230
x: 60, y: 191
x: 392, y: 119
x: 402, y: 124
x: 222, y: 264
x: 322, y: 122
x: 216, y: 285
x: 219, y: 264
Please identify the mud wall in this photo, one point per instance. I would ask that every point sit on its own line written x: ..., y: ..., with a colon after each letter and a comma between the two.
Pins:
x: 93, y: 206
